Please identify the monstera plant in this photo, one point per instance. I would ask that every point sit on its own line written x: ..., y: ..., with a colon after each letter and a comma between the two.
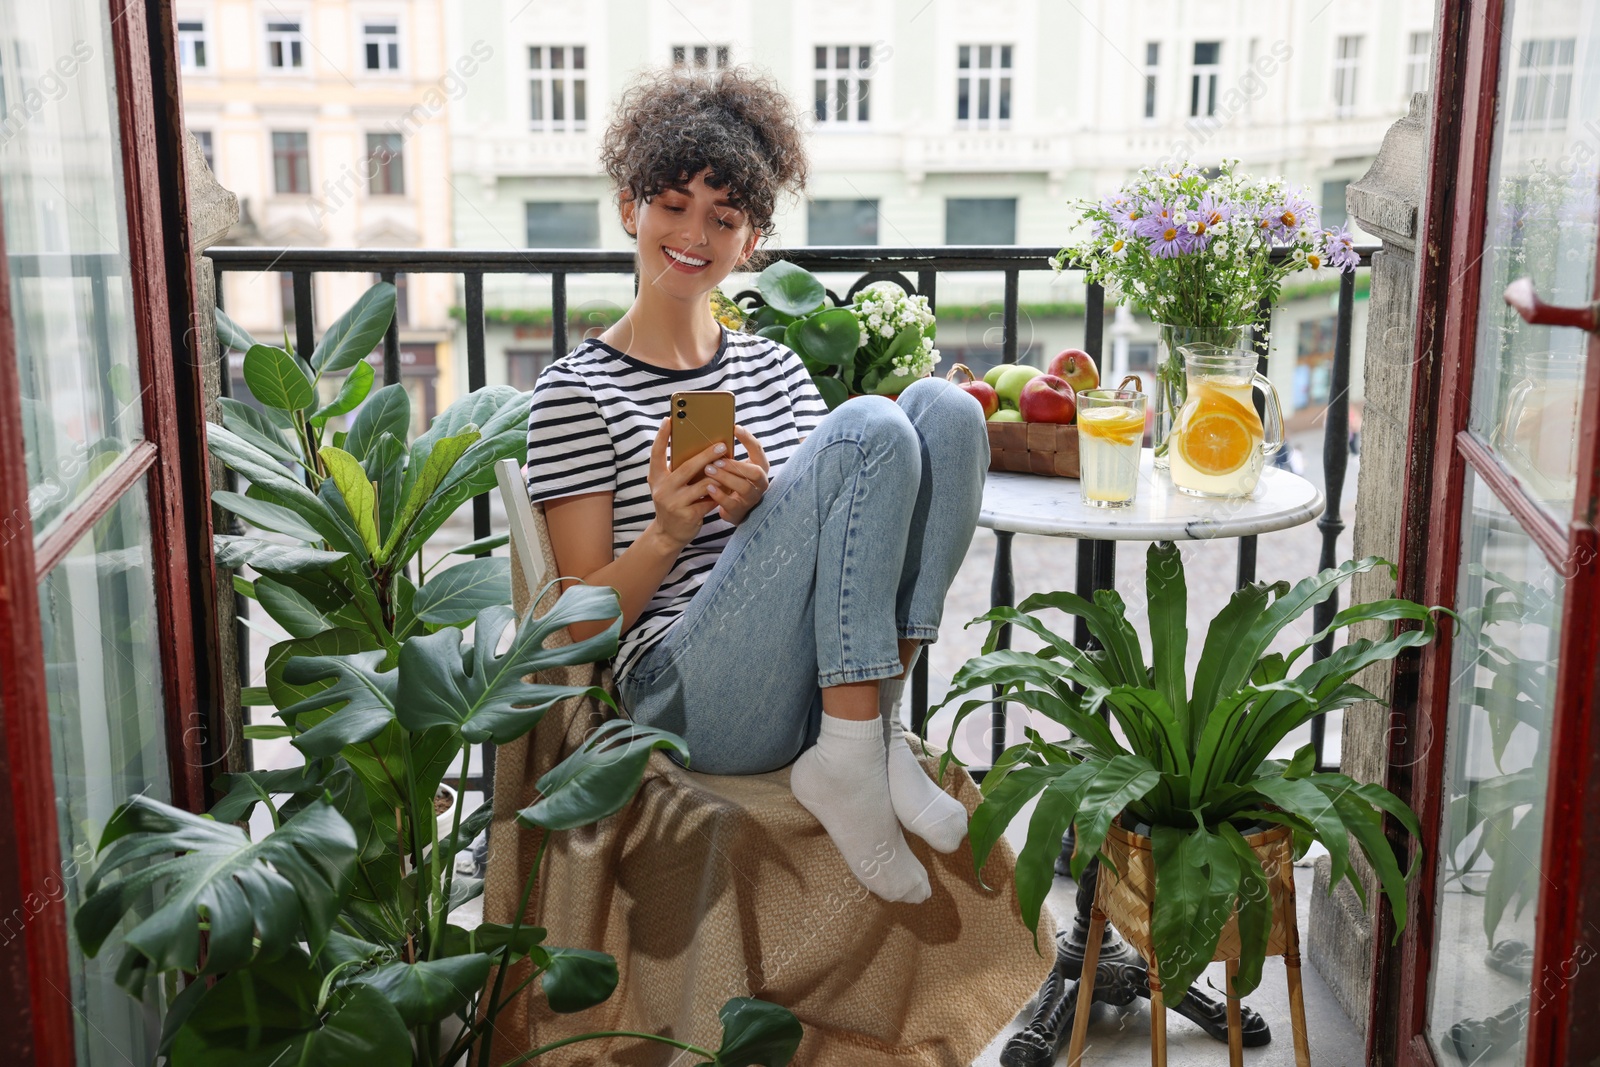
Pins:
x: 329, y: 941
x: 1186, y: 762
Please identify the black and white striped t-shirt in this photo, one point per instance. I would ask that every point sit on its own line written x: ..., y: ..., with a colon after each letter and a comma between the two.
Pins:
x: 595, y: 416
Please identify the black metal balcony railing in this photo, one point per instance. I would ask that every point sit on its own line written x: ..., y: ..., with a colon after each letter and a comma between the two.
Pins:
x: 899, y: 265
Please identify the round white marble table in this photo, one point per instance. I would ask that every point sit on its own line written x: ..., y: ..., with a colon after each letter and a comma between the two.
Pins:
x: 1054, y: 507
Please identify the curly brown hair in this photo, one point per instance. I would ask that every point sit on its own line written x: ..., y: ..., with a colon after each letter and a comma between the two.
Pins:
x: 673, y: 124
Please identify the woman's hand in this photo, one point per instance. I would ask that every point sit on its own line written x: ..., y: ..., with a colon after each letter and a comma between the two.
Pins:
x: 737, y: 485
x: 680, y: 500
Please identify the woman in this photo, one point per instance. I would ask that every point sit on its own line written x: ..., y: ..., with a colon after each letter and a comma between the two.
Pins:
x: 773, y: 599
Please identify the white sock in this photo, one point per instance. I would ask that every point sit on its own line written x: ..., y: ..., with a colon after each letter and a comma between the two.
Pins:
x: 922, y: 807
x: 842, y: 781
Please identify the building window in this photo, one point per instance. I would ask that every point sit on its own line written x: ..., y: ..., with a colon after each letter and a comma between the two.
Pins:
x: 1152, y: 70
x: 285, y: 46
x: 192, y: 45
x: 842, y: 222
x: 203, y: 138
x: 1418, y: 65
x: 563, y: 223
x: 1333, y: 210
x: 701, y: 56
x: 291, y: 163
x: 381, y: 43
x: 843, y: 77
x: 386, y: 170
x: 1203, y: 83
x: 523, y: 366
x: 983, y: 86
x: 991, y: 221
x: 1346, y: 65
x: 286, y: 300
x: 1543, y: 93
x: 557, y: 86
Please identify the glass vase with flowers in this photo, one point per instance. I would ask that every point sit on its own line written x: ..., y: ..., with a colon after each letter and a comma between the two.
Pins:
x: 1198, y: 252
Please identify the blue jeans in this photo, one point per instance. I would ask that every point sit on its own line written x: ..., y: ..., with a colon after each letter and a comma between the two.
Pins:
x: 854, y: 546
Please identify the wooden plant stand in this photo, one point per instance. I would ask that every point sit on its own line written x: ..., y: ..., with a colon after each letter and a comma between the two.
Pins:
x: 1124, y: 894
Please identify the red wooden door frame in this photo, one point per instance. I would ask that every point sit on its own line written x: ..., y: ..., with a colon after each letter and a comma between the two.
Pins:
x: 36, y: 1012
x: 1466, y: 85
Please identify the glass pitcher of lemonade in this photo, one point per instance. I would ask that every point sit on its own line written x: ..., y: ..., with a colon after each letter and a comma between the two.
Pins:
x: 1218, y: 443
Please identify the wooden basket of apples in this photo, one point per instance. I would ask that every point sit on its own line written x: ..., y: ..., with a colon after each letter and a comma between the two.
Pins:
x: 1032, y: 414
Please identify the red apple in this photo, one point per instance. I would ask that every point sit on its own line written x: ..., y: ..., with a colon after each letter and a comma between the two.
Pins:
x: 1077, y: 367
x: 984, y: 393
x: 1048, y: 398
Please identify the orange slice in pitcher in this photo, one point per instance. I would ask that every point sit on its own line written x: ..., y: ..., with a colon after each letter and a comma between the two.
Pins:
x: 1120, y: 426
x: 1219, y: 434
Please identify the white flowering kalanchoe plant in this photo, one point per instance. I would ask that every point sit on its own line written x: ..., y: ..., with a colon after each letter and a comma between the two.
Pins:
x: 1192, y: 250
x: 896, y: 345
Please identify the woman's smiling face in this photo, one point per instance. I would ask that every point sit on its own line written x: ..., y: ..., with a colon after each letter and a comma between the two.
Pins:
x: 691, y: 236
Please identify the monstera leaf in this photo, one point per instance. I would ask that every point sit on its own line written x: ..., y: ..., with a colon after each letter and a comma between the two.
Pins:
x: 600, y: 777
x: 756, y: 1032
x: 258, y: 899
x: 269, y: 1016
x: 484, y: 695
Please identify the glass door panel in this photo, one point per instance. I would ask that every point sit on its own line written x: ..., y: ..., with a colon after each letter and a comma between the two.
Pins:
x: 1496, y: 764
x: 1541, y: 224
x: 67, y: 248
x: 102, y: 672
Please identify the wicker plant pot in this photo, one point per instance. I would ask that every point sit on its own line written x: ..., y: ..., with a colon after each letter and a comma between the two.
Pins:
x: 1124, y: 894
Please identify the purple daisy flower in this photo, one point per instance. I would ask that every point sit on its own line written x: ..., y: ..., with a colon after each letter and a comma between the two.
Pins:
x: 1155, y: 218
x: 1211, y: 212
x: 1339, y: 249
x: 1168, y: 240
x: 1282, y: 220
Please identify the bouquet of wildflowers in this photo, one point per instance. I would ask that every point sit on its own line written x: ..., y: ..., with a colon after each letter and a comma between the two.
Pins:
x: 896, y: 346
x: 1193, y: 250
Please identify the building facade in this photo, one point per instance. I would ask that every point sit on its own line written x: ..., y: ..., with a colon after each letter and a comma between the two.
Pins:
x: 934, y: 122
x: 329, y: 120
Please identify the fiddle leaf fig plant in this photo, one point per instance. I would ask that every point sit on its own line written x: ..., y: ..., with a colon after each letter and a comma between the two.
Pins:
x: 329, y: 941
x: 1186, y: 761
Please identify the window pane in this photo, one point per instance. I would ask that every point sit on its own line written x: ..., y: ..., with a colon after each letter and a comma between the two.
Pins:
x: 103, y: 676
x: 821, y: 100
x: 1205, y: 52
x: 580, y: 104
x: 536, y: 105
x: 864, y: 58
x: 680, y: 55
x: 842, y: 222
x: 67, y: 248
x: 1497, y: 744
x: 1333, y: 209
x: 1541, y: 224
x: 822, y: 58
x: 861, y: 99
x: 577, y: 57
x: 841, y: 57
x: 558, y: 110
x: 1152, y: 53
x: 1005, y: 99
x: 558, y: 58
x: 964, y: 56
x: 841, y: 102
x: 985, y: 55
x: 535, y: 58
x: 980, y: 221
x: 700, y: 56
x: 563, y: 223
x: 1005, y: 57
x: 983, y: 99
x: 372, y: 55
x: 961, y: 98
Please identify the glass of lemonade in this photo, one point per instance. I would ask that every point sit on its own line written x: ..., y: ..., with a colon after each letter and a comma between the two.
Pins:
x: 1110, y: 433
x: 1219, y: 443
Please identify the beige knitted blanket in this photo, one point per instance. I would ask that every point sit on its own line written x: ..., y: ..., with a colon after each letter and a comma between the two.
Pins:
x: 711, y: 887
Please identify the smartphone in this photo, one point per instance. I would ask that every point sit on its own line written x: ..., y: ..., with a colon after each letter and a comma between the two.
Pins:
x: 699, y: 420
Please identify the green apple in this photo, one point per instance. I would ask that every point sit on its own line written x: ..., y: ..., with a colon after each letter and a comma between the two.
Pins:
x: 1006, y: 415
x: 991, y: 377
x: 1011, y: 381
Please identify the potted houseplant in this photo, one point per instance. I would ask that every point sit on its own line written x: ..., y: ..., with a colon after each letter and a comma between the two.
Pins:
x: 880, y: 342
x: 1191, y: 772
x: 1195, y: 253
x: 328, y: 941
